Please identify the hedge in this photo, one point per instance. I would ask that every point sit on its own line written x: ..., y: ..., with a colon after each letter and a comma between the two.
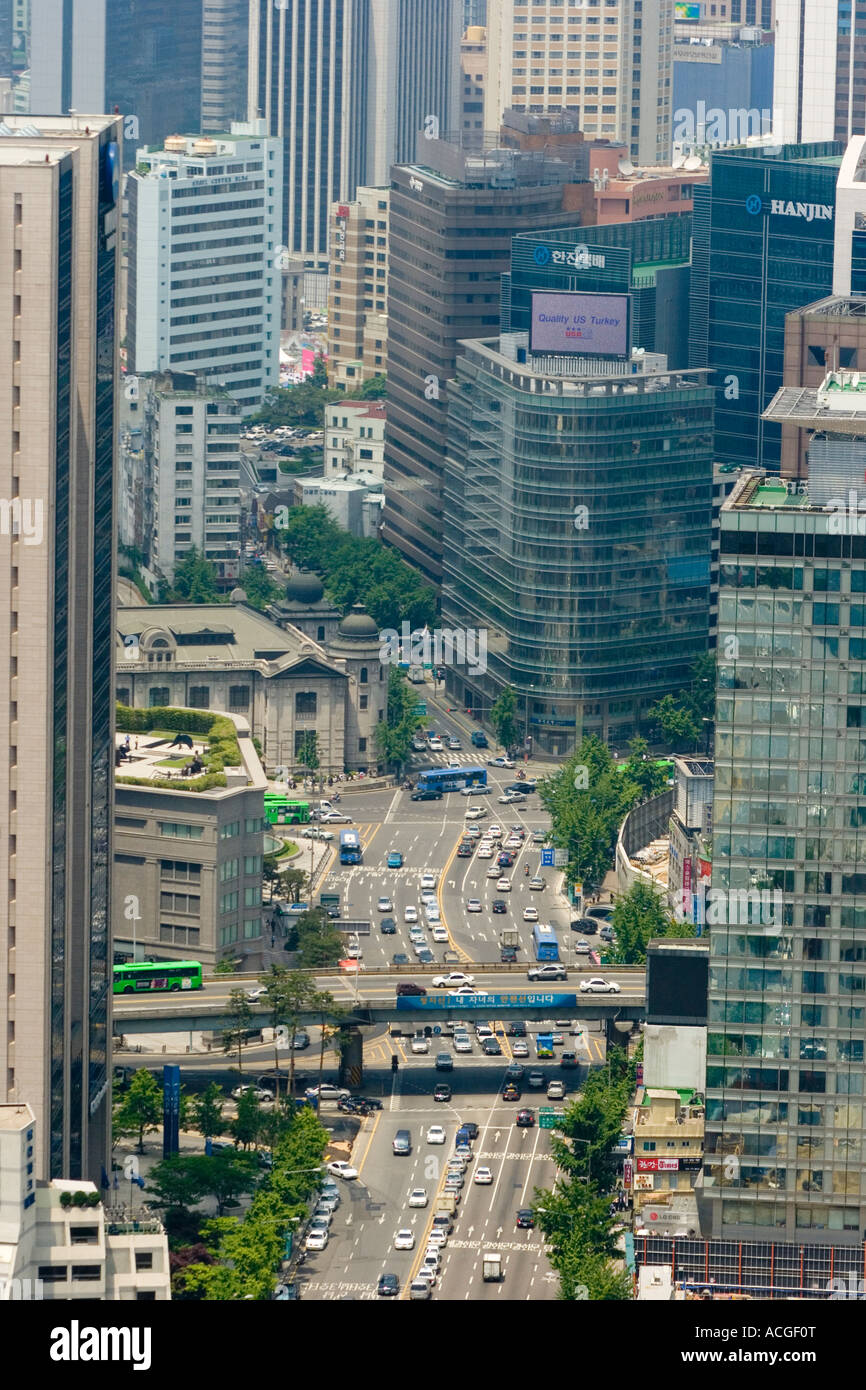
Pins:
x: 221, y: 734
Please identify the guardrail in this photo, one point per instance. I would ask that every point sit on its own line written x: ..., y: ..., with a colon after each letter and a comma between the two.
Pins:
x: 413, y: 968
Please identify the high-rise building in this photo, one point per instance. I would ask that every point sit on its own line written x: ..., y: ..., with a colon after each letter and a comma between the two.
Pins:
x: 612, y: 65
x: 347, y: 85
x: 763, y: 245
x: 819, y: 338
x: 192, y: 460
x: 204, y: 280
x: 95, y: 56
x: 473, y: 64
x: 452, y: 217
x: 358, y: 289
x: 818, y: 88
x: 787, y: 1029
x: 577, y: 520
x: 474, y: 12
x: 60, y: 248
x: 225, y: 34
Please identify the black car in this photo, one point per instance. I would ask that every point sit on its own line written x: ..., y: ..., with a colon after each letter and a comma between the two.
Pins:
x: 442, y: 1091
x: 332, y: 912
x: 464, y: 849
x: 510, y: 1091
x: 469, y: 1130
x: 587, y: 926
x: 388, y: 927
x: 500, y: 905
x: 388, y: 1286
x: 525, y: 1219
x: 426, y: 956
x: 429, y: 795
x: 490, y: 1047
x: 568, y: 1059
x: 400, y: 959
x: 527, y: 786
x: 504, y: 859
x: 517, y: 1030
x: 409, y: 987
x: 508, y: 955
x: 525, y: 1119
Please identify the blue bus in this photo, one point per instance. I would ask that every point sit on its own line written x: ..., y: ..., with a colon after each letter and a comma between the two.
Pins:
x: 451, y: 779
x: 350, y: 847
x: 545, y: 942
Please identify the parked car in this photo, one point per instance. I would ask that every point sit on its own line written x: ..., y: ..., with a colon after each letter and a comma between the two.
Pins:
x: 341, y: 1169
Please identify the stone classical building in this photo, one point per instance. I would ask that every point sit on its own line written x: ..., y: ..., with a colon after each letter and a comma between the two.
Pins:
x: 301, y: 670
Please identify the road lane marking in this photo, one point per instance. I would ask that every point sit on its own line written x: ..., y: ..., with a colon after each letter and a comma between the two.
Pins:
x: 360, y: 1166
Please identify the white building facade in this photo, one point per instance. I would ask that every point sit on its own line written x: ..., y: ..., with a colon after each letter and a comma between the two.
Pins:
x: 204, y: 261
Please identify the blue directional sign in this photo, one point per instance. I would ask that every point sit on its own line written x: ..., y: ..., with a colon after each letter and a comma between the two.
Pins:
x: 487, y: 1001
x: 547, y: 859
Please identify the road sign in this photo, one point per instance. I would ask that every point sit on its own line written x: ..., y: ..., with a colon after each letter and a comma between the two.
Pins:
x: 549, y: 1117
x: 421, y: 707
x: 354, y: 928
x: 560, y: 858
x: 547, y: 857
x: 487, y: 1001
x: 438, y: 1028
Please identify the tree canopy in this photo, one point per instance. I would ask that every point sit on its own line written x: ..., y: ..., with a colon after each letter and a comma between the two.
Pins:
x: 394, y: 734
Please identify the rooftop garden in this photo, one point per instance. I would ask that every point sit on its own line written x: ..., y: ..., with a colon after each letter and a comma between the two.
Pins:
x: 217, y: 732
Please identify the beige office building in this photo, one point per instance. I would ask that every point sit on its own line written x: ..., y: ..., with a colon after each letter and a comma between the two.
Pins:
x: 611, y: 61
x: 59, y: 263
x: 358, y: 297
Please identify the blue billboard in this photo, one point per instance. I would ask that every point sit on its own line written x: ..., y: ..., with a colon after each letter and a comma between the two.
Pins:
x: 487, y: 1001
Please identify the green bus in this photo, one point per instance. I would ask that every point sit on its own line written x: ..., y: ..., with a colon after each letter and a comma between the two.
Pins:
x: 282, y: 810
x: 148, y: 978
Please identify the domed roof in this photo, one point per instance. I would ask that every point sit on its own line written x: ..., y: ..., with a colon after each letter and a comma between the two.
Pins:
x: 359, y: 624
x: 304, y: 587
x: 238, y: 596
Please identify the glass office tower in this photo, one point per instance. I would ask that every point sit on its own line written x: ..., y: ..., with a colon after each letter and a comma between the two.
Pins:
x: 577, y: 514
x: 785, y: 1142
x: 763, y: 245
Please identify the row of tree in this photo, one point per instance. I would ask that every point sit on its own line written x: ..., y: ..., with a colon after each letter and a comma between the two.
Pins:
x: 357, y: 569
x: 303, y: 406
x: 576, y: 1217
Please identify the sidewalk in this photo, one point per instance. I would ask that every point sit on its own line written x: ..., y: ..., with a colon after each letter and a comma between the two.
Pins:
x: 444, y: 705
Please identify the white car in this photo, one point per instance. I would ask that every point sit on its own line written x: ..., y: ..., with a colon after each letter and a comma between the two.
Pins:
x: 428, y: 881
x: 440, y: 934
x: 420, y: 1046
x: 316, y: 1240
x: 486, y: 852
x: 432, y: 1257
x: 404, y: 1240
x: 410, y: 914
x: 501, y: 761
x: 451, y: 981
x: 495, y: 831
x: 520, y: 1048
x: 462, y: 1042
x: 341, y: 1169
x: 473, y: 905
x: 432, y: 913
x: 435, y: 744
x: 467, y: 989
x: 353, y: 951
x: 483, y: 1176
x: 530, y: 914
x: 513, y: 842
x: 435, y: 1135
x: 418, y: 935
x: 483, y: 1030
x: 599, y: 986
x: 428, y: 898
x: 334, y: 818
x: 313, y: 833
x: 493, y: 871
x: 476, y: 812
x: 504, y: 885
x: 508, y: 798
x: 437, y: 1237
x: 418, y: 1197
x: 254, y: 995
x: 473, y: 832
x: 258, y: 1091
x: 555, y: 1090
x: 385, y: 905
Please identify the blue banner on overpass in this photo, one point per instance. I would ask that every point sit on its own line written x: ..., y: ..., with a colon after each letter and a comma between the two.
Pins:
x: 486, y: 1001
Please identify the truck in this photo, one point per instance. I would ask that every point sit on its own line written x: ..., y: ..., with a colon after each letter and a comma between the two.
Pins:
x: 491, y: 1266
x: 509, y: 944
x: 416, y: 675
x: 446, y: 1201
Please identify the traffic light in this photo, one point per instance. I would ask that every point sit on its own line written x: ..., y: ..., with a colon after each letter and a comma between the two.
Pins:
x: 395, y: 1062
x: 428, y: 1031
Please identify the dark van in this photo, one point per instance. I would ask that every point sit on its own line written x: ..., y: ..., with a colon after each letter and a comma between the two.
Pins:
x: 402, y: 1145
x: 409, y: 987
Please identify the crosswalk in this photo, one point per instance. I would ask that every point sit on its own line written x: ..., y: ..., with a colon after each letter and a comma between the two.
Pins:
x: 430, y: 758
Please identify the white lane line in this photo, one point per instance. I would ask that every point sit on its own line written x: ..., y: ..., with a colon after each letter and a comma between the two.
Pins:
x: 529, y: 1170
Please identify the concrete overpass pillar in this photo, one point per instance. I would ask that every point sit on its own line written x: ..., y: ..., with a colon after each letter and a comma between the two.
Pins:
x: 352, y: 1058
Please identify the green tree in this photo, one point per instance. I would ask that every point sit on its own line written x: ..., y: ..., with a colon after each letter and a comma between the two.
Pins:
x: 331, y: 1016
x: 230, y: 1175
x: 140, y: 1110
x: 293, y: 882
x: 503, y: 717
x: 319, y: 943
x: 244, y: 1127
x: 178, y: 1182
x: 225, y: 966
x: 207, y: 1111
x: 235, y: 1035
x: 642, y: 771
x: 395, y: 733
x: 320, y: 371
x: 308, y: 752
x: 638, y: 916
x: 288, y: 996
x: 259, y: 588
x: 677, y: 724
x: 194, y: 581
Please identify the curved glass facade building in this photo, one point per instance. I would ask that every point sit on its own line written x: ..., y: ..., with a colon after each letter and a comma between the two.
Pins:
x: 577, y: 528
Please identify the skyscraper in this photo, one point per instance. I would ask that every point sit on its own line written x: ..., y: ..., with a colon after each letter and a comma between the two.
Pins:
x: 204, y: 277
x: 612, y: 65
x: 787, y: 1029
x: 577, y: 513
x: 60, y: 249
x: 452, y: 218
x: 347, y: 85
x: 818, y: 88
